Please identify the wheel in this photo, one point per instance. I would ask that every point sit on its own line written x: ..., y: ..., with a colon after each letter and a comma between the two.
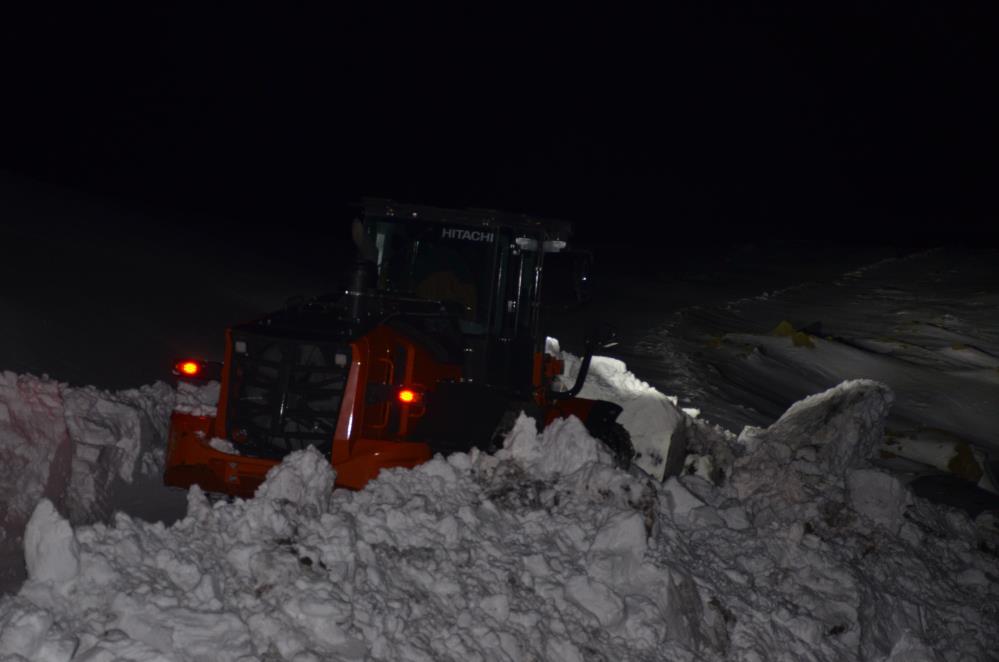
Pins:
x: 617, y: 439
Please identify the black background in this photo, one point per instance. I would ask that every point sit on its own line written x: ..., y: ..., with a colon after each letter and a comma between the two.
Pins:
x: 699, y: 124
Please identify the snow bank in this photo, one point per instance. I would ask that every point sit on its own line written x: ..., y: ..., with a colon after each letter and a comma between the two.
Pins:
x: 80, y: 448
x: 544, y: 550
x: 35, y: 460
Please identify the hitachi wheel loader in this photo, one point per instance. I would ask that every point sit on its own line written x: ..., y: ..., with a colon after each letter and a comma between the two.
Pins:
x: 435, y: 347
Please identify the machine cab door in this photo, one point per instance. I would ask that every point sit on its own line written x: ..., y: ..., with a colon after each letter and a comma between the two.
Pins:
x: 516, y: 333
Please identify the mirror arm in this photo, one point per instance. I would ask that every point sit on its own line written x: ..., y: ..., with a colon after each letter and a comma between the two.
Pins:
x: 584, y: 368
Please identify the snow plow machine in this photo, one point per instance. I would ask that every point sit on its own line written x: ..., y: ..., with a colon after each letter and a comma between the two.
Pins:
x: 434, y: 347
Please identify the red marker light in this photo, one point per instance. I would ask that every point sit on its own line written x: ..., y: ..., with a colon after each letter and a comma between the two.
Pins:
x: 408, y: 396
x: 189, y: 368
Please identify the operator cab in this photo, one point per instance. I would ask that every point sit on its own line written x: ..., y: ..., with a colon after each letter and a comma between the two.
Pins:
x: 482, y: 266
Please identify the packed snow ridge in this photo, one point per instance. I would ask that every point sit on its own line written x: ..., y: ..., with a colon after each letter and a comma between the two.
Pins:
x: 781, y: 544
x: 87, y: 450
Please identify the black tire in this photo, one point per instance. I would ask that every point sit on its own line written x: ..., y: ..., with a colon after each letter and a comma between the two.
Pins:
x: 617, y: 439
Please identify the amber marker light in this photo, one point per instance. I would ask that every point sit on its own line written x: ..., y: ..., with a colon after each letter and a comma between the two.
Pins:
x: 408, y: 396
x: 188, y: 368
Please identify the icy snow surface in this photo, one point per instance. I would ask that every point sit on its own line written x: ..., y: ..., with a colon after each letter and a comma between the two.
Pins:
x: 926, y: 324
x: 543, y: 551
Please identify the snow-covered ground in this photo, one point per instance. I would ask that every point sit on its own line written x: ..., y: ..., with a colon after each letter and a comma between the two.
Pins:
x: 798, y: 550
x: 789, y: 537
x: 926, y: 324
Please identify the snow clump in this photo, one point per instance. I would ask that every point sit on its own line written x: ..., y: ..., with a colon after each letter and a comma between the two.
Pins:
x: 197, y: 399
x: 562, y: 448
x: 51, y: 552
x: 305, y: 478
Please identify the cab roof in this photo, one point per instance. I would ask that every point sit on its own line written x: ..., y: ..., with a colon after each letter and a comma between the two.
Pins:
x: 478, y: 218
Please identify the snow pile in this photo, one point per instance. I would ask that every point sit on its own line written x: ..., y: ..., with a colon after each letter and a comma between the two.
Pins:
x: 544, y: 550
x: 834, y: 430
x: 563, y: 448
x: 115, y: 437
x: 70, y: 444
x: 197, y: 399
x: 305, y: 480
x: 80, y: 448
x: 840, y: 557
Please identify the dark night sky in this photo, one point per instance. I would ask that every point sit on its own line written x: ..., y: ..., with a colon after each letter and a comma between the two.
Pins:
x: 706, y: 123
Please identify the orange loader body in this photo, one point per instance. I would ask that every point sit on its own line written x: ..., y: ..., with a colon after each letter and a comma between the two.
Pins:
x: 363, y: 443
x: 389, y: 373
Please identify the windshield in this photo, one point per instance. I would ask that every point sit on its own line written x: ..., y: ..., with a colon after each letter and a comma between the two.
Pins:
x: 490, y: 273
x: 436, y: 261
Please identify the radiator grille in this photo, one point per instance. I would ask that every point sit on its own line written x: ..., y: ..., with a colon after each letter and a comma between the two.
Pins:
x: 285, y: 394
